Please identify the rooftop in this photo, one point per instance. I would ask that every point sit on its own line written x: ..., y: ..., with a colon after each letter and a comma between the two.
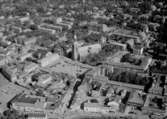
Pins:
x: 155, y: 102
x: 26, y: 99
x: 3, y: 81
x: 115, y: 60
x: 8, y: 92
x: 137, y: 98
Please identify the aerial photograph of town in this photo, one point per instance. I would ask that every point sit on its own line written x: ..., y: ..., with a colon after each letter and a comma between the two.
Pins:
x: 83, y: 59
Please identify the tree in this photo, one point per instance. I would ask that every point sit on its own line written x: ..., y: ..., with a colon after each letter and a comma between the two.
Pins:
x: 163, y: 33
x: 95, y: 85
x: 146, y: 6
x: 13, y: 114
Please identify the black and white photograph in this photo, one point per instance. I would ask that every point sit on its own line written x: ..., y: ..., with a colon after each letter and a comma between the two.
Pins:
x: 83, y: 59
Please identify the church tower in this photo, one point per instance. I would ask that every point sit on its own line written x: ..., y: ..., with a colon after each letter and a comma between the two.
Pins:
x: 75, y: 49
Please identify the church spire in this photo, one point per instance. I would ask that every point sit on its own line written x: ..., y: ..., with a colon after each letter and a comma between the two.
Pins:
x: 75, y: 48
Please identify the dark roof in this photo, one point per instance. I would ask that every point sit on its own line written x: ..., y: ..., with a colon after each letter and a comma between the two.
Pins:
x: 25, y: 99
x: 36, y: 114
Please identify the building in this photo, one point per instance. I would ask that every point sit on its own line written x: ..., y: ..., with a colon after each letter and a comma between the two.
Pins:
x: 3, y: 102
x: 138, y: 50
x: 116, y: 62
x: 49, y: 60
x: 95, y: 108
x: 39, y: 54
x: 66, y: 21
x: 22, y: 57
x: 13, y: 71
x: 24, y: 19
x: 3, y: 60
x: 24, y: 40
x: 94, y: 27
x: 122, y: 46
x: 156, y: 88
x: 127, y: 41
x: 30, y: 41
x: 29, y: 66
x: 165, y: 90
x: 101, y: 71
x: 115, y: 104
x: 36, y: 115
x: 53, y: 29
x: 43, y: 79
x: 136, y: 99
x: 89, y: 49
x: 80, y: 51
x: 28, y: 103
x: 10, y: 72
x: 154, y: 104
x: 66, y: 24
x: 8, y: 91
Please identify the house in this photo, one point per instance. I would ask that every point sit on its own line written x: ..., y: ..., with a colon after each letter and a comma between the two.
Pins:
x: 136, y: 99
x: 154, y: 104
x: 95, y: 27
x: 53, y: 29
x: 156, y: 88
x: 30, y: 41
x: 3, y: 82
x: 165, y: 90
x: 66, y: 21
x: 138, y: 50
x: 10, y: 72
x: 122, y: 46
x: 24, y: 40
x: 115, y: 104
x: 8, y: 91
x: 36, y: 115
x: 29, y: 66
x: 39, y: 54
x: 22, y: 57
x: 95, y: 108
x: 3, y: 60
x: 24, y: 19
x: 42, y: 79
